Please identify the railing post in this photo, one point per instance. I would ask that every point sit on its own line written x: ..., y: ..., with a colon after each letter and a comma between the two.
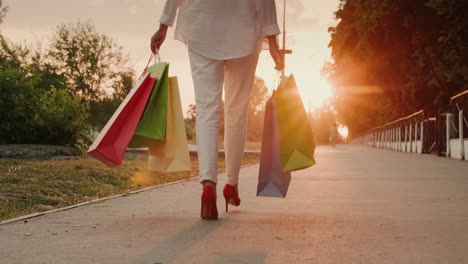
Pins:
x: 460, y: 130
x: 386, y: 138
x: 406, y: 139
x: 377, y: 142
x: 375, y: 138
x: 422, y: 136
x: 448, y: 125
x: 383, y: 139
x: 410, y: 138
x: 399, y: 139
x: 396, y: 138
x: 416, y: 137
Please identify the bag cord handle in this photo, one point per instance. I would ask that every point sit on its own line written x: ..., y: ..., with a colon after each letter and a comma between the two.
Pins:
x: 157, y: 59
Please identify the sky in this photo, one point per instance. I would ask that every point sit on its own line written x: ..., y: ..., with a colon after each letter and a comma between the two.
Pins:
x: 132, y: 22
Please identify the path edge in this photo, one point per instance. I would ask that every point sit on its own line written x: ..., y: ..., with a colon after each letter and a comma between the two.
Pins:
x: 34, y: 215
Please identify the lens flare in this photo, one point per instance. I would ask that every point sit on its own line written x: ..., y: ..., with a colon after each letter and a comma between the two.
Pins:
x: 344, y: 131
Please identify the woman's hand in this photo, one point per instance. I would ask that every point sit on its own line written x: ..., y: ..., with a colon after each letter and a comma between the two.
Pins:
x: 275, y: 53
x: 158, y: 38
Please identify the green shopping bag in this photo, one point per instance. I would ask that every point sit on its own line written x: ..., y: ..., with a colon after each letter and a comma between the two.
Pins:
x: 153, y: 123
x: 296, y: 139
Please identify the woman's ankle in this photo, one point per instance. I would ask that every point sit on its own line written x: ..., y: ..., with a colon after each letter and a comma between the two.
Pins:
x: 209, y: 183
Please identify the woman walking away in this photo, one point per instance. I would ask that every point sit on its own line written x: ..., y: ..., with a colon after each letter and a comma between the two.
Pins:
x: 224, y: 39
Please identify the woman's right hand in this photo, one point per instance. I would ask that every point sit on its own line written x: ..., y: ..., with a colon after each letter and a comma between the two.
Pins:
x: 275, y: 53
x: 158, y: 38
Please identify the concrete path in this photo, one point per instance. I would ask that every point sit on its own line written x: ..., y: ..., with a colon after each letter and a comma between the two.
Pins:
x: 359, y: 205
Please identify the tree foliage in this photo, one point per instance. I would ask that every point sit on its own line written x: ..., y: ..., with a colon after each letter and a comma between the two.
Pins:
x: 255, y: 113
x: 94, y: 68
x: 93, y: 64
x: 256, y: 110
x: 322, y: 120
x: 32, y: 111
x: 395, y: 57
x: 3, y: 11
x: 54, y: 95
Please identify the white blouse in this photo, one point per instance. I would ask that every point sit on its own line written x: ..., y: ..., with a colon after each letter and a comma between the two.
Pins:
x: 222, y: 29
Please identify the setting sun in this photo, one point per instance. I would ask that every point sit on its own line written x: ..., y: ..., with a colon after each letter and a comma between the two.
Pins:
x: 314, y: 92
x: 314, y: 89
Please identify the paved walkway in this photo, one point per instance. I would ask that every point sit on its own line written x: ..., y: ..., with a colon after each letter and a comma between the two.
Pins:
x: 359, y: 205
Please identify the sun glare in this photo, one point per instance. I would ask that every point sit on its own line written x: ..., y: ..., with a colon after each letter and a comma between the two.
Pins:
x: 314, y: 92
x: 343, y: 130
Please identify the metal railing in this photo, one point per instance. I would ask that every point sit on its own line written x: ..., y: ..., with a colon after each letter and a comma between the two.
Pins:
x: 405, y: 134
x: 445, y: 134
x: 457, y: 127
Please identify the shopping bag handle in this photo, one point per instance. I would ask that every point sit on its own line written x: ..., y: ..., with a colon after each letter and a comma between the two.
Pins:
x: 277, y: 81
x: 157, y: 59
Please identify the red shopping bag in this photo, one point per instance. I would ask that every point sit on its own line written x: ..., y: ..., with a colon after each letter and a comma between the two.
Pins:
x: 111, y: 144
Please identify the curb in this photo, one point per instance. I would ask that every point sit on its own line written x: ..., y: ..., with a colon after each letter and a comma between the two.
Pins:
x: 34, y: 215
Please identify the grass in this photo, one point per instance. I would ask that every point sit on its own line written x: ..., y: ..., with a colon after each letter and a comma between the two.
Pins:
x: 28, y: 186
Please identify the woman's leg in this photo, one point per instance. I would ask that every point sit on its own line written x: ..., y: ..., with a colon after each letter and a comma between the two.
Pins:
x: 208, y: 78
x: 239, y: 77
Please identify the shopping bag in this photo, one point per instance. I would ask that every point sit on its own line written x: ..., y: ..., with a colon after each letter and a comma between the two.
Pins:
x: 272, y: 182
x: 171, y: 155
x: 296, y: 139
x: 152, y: 125
x: 111, y: 143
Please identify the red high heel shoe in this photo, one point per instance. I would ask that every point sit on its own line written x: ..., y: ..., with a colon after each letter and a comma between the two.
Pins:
x: 231, y: 196
x: 208, y: 204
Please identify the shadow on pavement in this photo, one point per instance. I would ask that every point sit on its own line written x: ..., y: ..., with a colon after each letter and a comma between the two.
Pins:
x: 169, y: 250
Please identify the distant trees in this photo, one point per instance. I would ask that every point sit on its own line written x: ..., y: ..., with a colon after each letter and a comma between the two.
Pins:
x: 394, y: 57
x: 256, y: 110
x: 53, y: 96
x: 322, y: 120
x: 191, y: 116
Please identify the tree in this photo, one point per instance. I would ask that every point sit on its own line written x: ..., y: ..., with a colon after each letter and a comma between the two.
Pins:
x: 394, y: 57
x: 322, y: 120
x: 258, y: 98
x: 3, y: 11
x: 93, y: 64
x: 452, y: 44
x: 94, y: 68
x: 190, y: 122
x: 192, y: 114
x: 256, y: 110
x: 31, y: 109
x: 53, y: 97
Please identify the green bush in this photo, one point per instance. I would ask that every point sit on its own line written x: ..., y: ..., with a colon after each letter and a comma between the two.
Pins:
x: 17, y: 100
x: 60, y: 119
x: 101, y: 111
x: 33, y: 115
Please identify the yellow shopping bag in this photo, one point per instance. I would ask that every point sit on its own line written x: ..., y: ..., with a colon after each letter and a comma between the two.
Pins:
x: 173, y: 155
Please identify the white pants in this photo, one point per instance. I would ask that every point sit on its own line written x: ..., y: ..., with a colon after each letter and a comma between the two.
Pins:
x: 209, y: 75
